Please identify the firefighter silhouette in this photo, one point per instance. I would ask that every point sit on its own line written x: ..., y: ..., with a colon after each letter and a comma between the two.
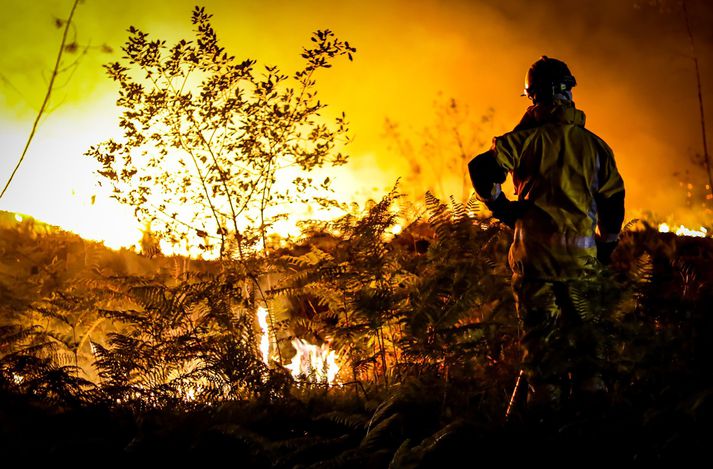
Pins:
x: 566, y: 221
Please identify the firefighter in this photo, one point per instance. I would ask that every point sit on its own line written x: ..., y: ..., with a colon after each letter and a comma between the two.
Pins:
x: 566, y: 221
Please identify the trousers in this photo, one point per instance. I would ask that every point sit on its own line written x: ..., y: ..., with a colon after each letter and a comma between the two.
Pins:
x: 560, y: 340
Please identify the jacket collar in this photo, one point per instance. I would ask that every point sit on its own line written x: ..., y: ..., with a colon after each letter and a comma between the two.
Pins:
x: 559, y: 112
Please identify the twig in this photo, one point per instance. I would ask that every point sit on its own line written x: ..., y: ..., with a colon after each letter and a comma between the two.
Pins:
x: 50, y: 86
x: 514, y: 395
x: 694, y: 57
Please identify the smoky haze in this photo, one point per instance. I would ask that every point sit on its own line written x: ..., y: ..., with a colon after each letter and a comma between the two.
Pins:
x: 631, y: 58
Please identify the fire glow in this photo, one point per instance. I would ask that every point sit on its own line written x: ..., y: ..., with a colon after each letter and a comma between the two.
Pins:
x: 312, y: 363
x: 702, y: 232
x: 265, y: 337
x: 315, y: 363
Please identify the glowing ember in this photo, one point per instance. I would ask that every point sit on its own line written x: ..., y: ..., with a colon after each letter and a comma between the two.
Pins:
x: 702, y: 232
x: 318, y: 363
x: 683, y: 231
x: 265, y: 338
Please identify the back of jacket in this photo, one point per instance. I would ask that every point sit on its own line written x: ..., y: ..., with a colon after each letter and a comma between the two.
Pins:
x: 563, y: 172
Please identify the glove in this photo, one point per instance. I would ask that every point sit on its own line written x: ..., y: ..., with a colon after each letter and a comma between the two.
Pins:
x: 605, y: 250
x: 506, y: 211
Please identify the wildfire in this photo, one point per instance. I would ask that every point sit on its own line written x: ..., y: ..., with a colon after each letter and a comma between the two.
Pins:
x: 311, y: 362
x: 265, y: 338
x: 317, y: 363
x: 702, y: 232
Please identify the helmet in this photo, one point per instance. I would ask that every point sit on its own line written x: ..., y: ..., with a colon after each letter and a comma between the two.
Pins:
x: 546, y: 78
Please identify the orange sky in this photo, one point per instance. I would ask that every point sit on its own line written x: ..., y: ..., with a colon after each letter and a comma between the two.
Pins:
x: 636, y: 84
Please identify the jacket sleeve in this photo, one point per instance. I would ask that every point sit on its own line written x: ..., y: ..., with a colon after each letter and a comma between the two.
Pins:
x: 486, y: 176
x: 610, y: 196
x: 490, y: 169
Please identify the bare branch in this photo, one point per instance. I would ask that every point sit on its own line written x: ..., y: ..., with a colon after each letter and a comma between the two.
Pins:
x: 45, y: 102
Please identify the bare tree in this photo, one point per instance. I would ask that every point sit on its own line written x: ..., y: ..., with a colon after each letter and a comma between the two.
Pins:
x: 694, y: 58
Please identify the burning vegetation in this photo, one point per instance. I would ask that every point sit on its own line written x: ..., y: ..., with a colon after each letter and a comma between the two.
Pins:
x: 385, y: 336
x: 368, y: 348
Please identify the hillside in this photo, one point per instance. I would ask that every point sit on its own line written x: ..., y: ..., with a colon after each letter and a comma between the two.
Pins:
x: 113, y: 353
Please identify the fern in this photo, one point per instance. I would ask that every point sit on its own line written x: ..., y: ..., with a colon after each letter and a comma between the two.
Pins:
x: 381, y: 433
x: 629, y: 226
x: 458, y: 210
x: 398, y: 461
x: 185, y: 343
x: 439, y: 215
x: 641, y: 271
x: 473, y: 207
x: 32, y: 365
x: 356, y: 422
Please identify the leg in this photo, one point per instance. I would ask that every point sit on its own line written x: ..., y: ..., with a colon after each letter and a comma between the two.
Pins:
x: 543, y: 343
x: 583, y: 341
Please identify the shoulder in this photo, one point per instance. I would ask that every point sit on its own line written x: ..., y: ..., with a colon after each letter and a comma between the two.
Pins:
x: 599, y: 142
x: 513, y: 141
x: 528, y: 121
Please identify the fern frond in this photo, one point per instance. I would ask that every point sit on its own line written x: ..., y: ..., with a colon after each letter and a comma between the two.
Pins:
x: 580, y: 303
x: 642, y: 269
x: 458, y: 210
x: 382, y: 409
x: 474, y: 207
x: 630, y: 225
x: 398, y: 461
x: 313, y: 257
x: 356, y: 422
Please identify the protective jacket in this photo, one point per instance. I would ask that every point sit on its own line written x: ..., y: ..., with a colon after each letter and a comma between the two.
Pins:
x: 567, y: 186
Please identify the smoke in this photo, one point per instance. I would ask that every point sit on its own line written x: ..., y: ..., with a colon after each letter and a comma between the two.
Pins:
x: 631, y: 58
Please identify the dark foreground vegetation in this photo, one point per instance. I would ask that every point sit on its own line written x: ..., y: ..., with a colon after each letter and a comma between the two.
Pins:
x: 128, y: 356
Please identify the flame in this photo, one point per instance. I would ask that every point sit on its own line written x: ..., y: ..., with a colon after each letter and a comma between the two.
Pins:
x: 313, y: 362
x: 702, y: 232
x: 683, y: 231
x: 265, y: 338
x: 318, y: 363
